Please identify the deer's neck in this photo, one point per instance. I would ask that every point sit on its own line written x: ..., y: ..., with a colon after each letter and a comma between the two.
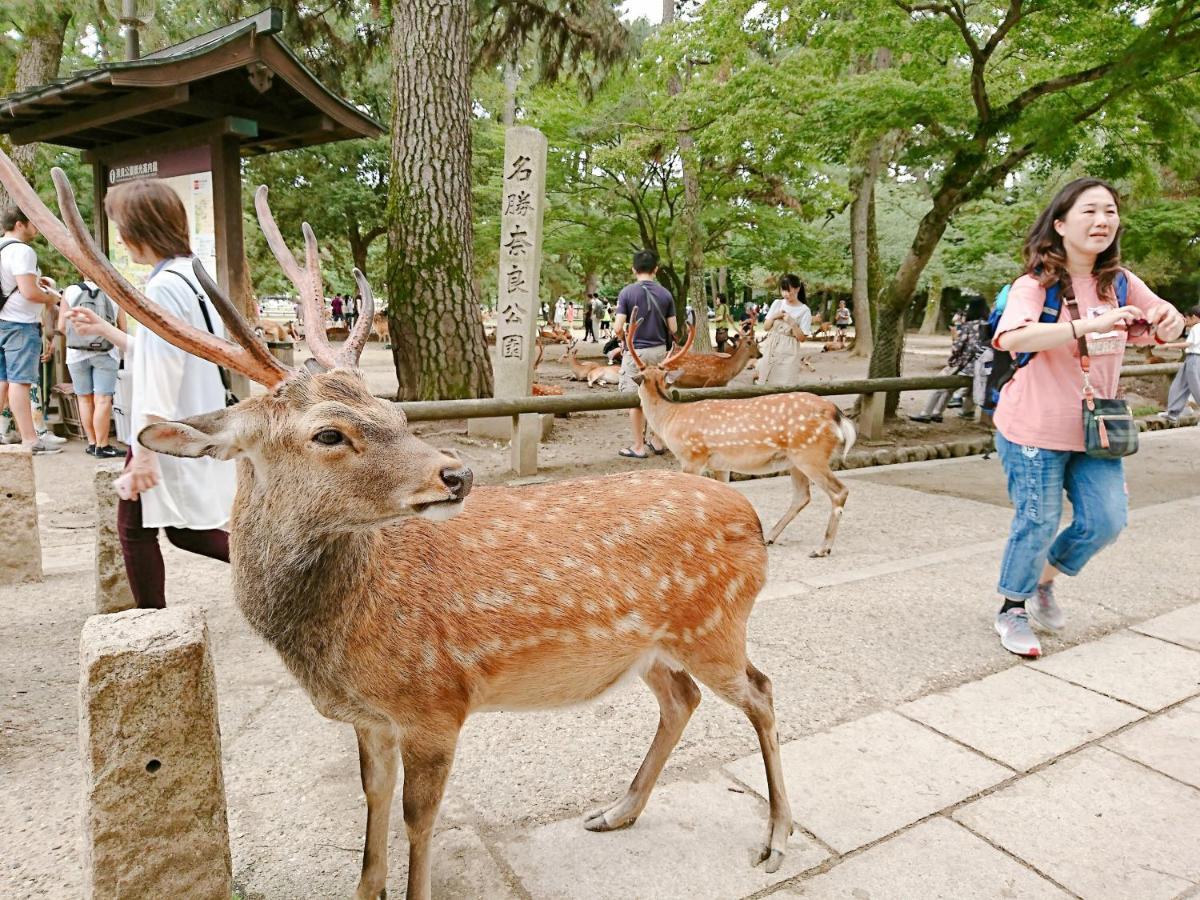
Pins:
x: 658, y: 409
x: 297, y: 588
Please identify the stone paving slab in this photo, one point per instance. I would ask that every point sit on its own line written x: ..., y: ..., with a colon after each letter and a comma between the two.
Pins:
x: 936, y: 860
x: 1021, y: 717
x: 1170, y: 743
x: 868, y: 778
x: 1131, y: 667
x: 1098, y: 824
x: 1180, y: 627
x: 694, y: 840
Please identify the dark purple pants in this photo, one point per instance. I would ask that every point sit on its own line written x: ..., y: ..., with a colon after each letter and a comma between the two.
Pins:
x: 143, y: 556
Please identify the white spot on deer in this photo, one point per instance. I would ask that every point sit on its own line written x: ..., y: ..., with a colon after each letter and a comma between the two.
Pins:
x: 591, y: 607
x: 595, y: 571
x: 644, y: 570
x: 467, y: 657
x: 663, y: 584
x: 632, y: 623
x: 428, y: 657
x: 550, y: 574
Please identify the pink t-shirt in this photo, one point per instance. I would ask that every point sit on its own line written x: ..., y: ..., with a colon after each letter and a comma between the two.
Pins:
x: 1042, y: 405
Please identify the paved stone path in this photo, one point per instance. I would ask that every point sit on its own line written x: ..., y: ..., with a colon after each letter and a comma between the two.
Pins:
x: 922, y: 760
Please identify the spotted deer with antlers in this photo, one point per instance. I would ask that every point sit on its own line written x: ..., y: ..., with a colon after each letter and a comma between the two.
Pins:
x: 795, y: 433
x: 404, y: 600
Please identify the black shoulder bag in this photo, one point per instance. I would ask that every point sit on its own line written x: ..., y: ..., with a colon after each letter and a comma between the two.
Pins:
x: 230, y: 398
x: 653, y: 302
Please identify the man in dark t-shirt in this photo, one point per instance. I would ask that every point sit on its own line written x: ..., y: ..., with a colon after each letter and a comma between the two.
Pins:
x: 655, y: 310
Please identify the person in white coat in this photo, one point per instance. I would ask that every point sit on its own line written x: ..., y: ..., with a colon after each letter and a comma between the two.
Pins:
x: 789, y: 324
x: 190, y: 498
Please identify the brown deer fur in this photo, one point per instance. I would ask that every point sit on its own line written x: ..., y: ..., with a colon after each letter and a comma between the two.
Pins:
x: 402, y: 607
x: 795, y: 433
x: 698, y: 370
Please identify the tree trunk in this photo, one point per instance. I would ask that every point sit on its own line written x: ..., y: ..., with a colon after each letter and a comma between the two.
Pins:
x: 38, y: 63
x: 889, y: 349
x: 437, y: 333
x: 933, y: 309
x: 862, y: 187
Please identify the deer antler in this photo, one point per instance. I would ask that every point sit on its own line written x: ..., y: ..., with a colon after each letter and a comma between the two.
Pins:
x: 633, y: 326
x: 680, y: 352
x: 235, y: 322
x: 76, y: 243
x: 307, y: 280
x: 353, y: 348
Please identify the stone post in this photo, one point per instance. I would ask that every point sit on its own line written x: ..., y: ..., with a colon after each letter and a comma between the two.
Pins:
x: 21, y: 560
x: 521, y: 206
x: 154, y: 797
x: 112, y: 585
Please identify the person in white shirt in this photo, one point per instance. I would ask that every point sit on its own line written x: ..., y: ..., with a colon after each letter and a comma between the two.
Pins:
x: 788, y: 324
x: 1187, y: 379
x: 190, y: 498
x: 24, y: 296
x: 93, y: 371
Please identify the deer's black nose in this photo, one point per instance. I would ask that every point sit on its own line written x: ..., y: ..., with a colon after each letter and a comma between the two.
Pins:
x: 458, y: 481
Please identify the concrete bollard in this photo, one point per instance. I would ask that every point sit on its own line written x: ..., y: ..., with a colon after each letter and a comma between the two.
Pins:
x: 22, y: 558
x: 112, y: 585
x: 284, y: 351
x: 154, y: 820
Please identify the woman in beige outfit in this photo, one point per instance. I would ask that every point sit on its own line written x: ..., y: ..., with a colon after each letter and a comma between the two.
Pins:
x: 789, y: 323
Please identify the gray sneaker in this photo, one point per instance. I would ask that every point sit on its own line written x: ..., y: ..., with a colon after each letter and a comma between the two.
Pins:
x: 1015, y: 634
x: 39, y: 448
x: 1044, y: 612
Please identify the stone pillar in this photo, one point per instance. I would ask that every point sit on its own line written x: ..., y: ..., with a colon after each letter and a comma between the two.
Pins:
x: 524, y: 445
x: 154, y: 797
x: 284, y: 351
x: 112, y: 585
x: 871, y: 416
x: 21, y: 560
x: 522, y: 202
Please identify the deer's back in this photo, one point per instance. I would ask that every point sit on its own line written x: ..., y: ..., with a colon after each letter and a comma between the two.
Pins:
x: 547, y: 595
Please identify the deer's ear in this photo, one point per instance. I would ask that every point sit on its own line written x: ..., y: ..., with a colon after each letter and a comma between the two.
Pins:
x: 673, y: 375
x: 208, y: 435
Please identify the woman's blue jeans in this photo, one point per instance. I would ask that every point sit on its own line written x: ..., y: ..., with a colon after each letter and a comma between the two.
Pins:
x: 1037, y: 479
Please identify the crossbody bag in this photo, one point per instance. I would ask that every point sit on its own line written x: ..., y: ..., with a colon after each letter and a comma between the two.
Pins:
x: 230, y: 398
x: 653, y: 301
x: 1109, y: 428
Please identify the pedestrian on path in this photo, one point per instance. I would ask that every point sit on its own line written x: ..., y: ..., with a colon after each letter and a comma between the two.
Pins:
x: 788, y: 325
x: 24, y: 296
x: 93, y: 362
x: 1074, y: 247
x: 589, y: 321
x: 190, y: 498
x: 1187, y: 379
x: 966, y: 349
x: 654, y: 308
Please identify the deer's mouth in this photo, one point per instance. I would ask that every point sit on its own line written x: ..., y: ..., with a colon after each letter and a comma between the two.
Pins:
x: 438, y: 510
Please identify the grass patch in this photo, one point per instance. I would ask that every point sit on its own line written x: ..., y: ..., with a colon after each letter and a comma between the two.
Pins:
x: 1150, y: 410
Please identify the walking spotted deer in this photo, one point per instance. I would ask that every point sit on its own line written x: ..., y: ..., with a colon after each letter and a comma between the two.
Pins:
x: 403, y: 600
x: 795, y: 433
x: 697, y: 370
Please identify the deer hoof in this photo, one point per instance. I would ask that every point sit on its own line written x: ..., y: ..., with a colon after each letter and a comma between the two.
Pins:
x: 597, y: 822
x: 819, y: 554
x: 770, y: 859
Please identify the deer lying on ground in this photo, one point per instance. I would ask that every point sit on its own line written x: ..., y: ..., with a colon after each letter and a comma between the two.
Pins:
x: 555, y: 334
x: 795, y: 433
x: 276, y: 331
x: 697, y: 370
x: 403, y: 601
x: 610, y: 374
x: 579, y: 370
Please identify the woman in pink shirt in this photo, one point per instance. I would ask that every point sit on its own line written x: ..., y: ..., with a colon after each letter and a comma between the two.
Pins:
x: 1076, y: 243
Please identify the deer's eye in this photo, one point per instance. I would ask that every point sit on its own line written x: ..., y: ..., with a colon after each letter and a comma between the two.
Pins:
x: 329, y: 437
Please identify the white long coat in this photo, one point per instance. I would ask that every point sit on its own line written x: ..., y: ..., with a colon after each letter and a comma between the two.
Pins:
x: 173, y: 384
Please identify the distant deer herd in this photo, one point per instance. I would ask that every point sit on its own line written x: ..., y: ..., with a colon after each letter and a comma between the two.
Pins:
x: 404, y: 598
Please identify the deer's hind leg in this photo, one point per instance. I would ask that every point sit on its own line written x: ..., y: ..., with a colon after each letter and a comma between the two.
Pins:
x: 733, y: 677
x: 837, y: 492
x: 801, y: 494
x: 377, y: 760
x: 677, y: 697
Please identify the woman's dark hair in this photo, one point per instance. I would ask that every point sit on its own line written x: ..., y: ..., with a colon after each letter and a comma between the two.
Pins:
x: 789, y: 282
x: 150, y: 214
x: 976, y: 309
x: 1045, y: 256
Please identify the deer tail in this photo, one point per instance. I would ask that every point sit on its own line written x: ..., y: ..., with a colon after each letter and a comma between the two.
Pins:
x: 847, y: 430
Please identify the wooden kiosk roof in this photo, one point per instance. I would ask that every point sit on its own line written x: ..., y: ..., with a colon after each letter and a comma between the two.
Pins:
x: 237, y: 80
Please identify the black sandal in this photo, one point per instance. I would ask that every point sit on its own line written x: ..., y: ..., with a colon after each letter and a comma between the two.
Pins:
x: 630, y: 453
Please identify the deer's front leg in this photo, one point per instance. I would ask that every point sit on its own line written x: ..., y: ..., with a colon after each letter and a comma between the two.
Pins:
x: 427, y: 755
x: 377, y: 760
